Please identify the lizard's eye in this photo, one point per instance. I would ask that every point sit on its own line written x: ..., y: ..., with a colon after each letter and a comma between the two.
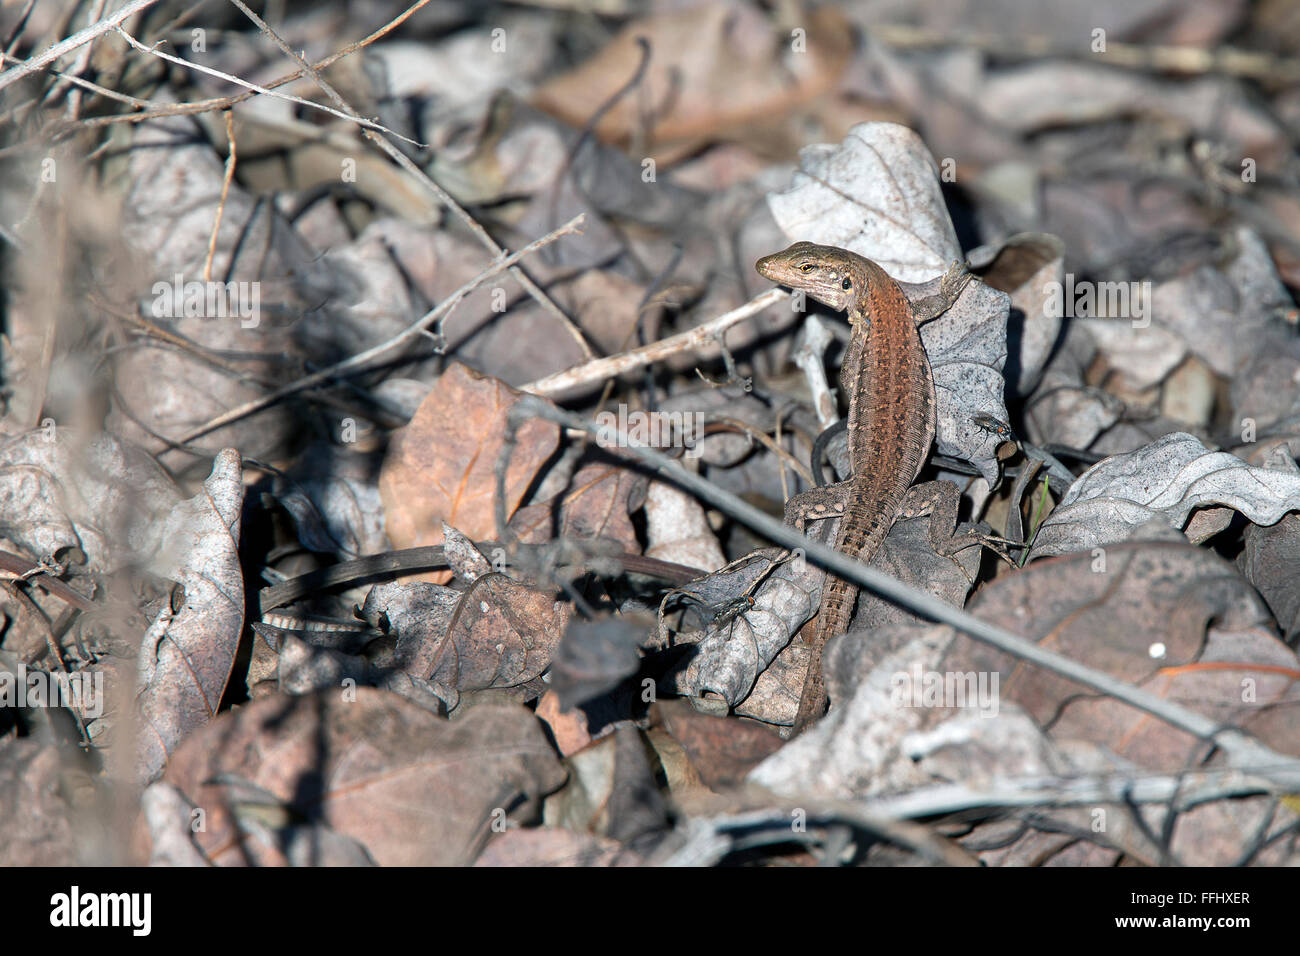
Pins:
x: 807, y: 267
x: 847, y: 284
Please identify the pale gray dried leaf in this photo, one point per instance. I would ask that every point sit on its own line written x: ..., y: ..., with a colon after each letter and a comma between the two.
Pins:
x: 980, y: 749
x: 1165, y: 481
x: 1063, y: 20
x: 369, y: 292
x: 594, y: 657
x: 185, y: 658
x: 463, y: 557
x: 1060, y: 93
x: 1022, y: 266
x: 453, y: 75
x: 1269, y: 562
x: 876, y: 194
x: 856, y: 750
x: 174, y: 190
x: 1220, y: 315
x: 418, y: 614
x: 735, y: 648
x: 1050, y: 94
x: 402, y: 395
x: 304, y: 845
x: 1063, y: 408
x: 776, y: 693
x: 432, y: 697
x: 334, y: 501
x: 1145, y: 354
x: 102, y: 495
x: 555, y: 846
x: 1206, y: 312
x: 678, y: 530
x: 36, y: 824
x: 1252, y: 272
x: 304, y: 668
x: 169, y: 817
x: 611, y: 791
x: 967, y: 346
x: 1265, y: 394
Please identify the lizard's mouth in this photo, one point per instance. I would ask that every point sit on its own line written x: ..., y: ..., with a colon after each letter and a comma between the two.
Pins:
x: 766, y: 268
x: 771, y: 269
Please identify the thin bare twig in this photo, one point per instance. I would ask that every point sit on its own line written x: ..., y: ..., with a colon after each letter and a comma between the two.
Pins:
x: 225, y: 191
x: 771, y: 444
x: 1181, y: 791
x: 702, y: 335
x: 78, y: 65
x: 231, y: 78
x: 16, y: 565
x: 397, y: 156
x: 371, y: 355
x: 709, y: 839
x: 111, y: 22
x: 20, y: 24
x: 154, y: 111
x: 588, y: 128
x: 85, y: 85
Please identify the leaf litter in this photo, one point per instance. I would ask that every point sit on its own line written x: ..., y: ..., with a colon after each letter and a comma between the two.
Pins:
x: 278, y: 553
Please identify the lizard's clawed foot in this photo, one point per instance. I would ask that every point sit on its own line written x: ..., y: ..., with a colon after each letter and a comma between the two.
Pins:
x: 950, y: 289
x: 981, y: 535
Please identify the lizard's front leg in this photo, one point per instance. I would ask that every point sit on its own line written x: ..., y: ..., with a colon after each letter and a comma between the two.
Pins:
x: 950, y: 289
x: 826, y: 501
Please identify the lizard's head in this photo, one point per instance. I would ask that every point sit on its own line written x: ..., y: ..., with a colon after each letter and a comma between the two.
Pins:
x: 831, y: 275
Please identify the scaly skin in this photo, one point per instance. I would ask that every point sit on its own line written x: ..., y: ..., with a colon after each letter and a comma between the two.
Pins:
x: 886, y: 375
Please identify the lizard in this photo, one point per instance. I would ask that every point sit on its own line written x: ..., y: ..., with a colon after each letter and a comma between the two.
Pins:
x: 891, y: 424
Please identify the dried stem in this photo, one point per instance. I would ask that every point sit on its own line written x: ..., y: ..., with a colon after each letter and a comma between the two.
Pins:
x: 363, y: 359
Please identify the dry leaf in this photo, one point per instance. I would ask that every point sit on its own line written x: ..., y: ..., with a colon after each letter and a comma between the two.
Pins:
x: 723, y: 751
x: 711, y: 73
x: 35, y: 822
x: 876, y: 194
x: 554, y: 846
x: 103, y: 495
x: 1165, y: 481
x: 175, y: 189
x: 186, y: 655
x: 502, y: 634
x: 413, y: 789
x: 595, y: 505
x: 441, y: 466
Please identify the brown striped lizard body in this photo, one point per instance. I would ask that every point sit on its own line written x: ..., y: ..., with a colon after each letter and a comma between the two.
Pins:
x: 886, y: 376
